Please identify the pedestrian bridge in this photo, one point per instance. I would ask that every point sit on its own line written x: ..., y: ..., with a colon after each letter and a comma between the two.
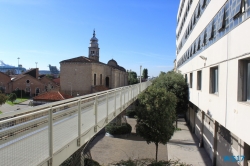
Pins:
x: 50, y: 133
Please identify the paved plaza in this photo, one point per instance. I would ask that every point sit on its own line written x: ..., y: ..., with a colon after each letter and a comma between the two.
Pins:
x: 182, y: 146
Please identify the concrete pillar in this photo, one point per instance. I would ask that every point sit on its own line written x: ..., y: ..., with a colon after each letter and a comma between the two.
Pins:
x: 215, y: 142
x: 246, y: 154
x: 193, y: 128
x: 201, y: 128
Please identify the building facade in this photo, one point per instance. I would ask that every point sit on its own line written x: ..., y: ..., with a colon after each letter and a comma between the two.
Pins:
x: 213, y: 54
x: 84, y: 75
x: 30, y: 81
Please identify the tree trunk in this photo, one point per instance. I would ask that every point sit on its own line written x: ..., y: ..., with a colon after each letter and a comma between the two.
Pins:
x: 167, y: 150
x: 156, y: 153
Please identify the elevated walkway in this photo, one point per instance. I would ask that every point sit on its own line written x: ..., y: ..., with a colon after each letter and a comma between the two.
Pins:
x: 50, y: 133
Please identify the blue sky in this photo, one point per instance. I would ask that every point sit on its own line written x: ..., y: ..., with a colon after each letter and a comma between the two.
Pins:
x: 133, y: 32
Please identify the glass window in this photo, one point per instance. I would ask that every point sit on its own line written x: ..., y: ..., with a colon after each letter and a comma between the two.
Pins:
x: 204, y: 3
x: 238, y: 9
x: 205, y: 38
x: 199, y: 80
x: 211, y: 32
x: 248, y: 81
x: 222, y: 23
x: 198, y: 11
x: 191, y: 80
x: 214, y: 80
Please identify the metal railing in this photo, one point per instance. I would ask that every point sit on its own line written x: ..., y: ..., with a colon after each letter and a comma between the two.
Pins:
x: 50, y: 133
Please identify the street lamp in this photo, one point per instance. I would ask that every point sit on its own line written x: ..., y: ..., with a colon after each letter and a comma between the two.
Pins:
x: 18, y: 66
x: 36, y: 64
x: 140, y: 78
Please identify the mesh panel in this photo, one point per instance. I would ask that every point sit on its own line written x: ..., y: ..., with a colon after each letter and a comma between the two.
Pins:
x: 23, y: 140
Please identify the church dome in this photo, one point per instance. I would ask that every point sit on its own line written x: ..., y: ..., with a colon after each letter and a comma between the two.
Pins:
x: 112, y: 62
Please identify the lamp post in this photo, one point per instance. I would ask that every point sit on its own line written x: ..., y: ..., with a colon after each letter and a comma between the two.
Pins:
x: 18, y: 65
x: 140, y: 78
x: 36, y: 64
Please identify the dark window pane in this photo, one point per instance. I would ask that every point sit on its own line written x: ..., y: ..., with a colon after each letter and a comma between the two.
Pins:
x: 222, y: 23
x: 204, y: 3
x: 238, y: 8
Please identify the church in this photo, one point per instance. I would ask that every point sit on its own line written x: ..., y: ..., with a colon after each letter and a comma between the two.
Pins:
x: 85, y: 75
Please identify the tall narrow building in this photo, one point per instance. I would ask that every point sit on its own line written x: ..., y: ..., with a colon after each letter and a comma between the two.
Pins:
x: 94, y: 48
x: 213, y: 54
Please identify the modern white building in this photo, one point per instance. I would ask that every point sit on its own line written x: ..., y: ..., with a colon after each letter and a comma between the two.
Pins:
x: 213, y: 54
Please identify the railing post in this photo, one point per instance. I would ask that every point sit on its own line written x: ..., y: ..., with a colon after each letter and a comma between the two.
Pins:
x: 95, y: 109
x: 115, y: 105
x: 50, y: 134
x: 124, y: 103
x: 79, y: 123
x: 107, y: 106
x: 121, y: 101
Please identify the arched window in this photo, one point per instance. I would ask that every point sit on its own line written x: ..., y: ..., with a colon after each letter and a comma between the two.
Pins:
x: 100, y: 79
x: 37, y: 91
x: 94, y: 79
x: 107, y: 82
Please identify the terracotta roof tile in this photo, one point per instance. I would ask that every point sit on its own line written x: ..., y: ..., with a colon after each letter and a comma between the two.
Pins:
x: 51, y: 96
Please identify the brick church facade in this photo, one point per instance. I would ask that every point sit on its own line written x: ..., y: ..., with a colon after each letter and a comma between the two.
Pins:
x: 84, y: 75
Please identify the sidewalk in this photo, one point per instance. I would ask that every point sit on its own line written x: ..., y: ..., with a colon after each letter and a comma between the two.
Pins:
x: 183, y: 146
x: 8, y: 108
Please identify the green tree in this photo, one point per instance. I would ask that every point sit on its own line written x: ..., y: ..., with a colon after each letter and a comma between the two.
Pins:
x: 12, y: 97
x: 3, y: 98
x: 132, y: 78
x: 156, y: 115
x: 145, y: 73
x: 175, y: 83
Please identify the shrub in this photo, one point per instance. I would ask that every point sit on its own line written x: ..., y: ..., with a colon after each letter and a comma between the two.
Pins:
x: 113, y: 129
x: 90, y: 162
x: 131, y: 113
x: 12, y: 97
x: 149, y: 162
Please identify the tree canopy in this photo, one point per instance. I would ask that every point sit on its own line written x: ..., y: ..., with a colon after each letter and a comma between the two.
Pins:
x: 132, y: 78
x: 145, y: 73
x: 175, y: 83
x: 3, y: 98
x: 155, y: 115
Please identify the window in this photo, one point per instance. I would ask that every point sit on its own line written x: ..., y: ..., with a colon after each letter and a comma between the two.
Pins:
x: 194, y: 50
x: 204, y: 3
x: 198, y: 11
x: 27, y: 81
x: 240, y: 7
x: 214, y: 72
x: 191, y: 80
x: 100, y: 79
x: 198, y: 45
x: 199, y: 80
x: 94, y: 79
x: 244, y: 80
x: 205, y: 38
x: 222, y: 23
x: 211, y: 32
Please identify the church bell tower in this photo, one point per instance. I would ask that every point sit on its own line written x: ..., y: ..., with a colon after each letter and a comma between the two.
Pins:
x: 94, y: 48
